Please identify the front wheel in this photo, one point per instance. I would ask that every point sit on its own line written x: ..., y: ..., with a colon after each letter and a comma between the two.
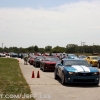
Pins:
x: 96, y: 84
x: 55, y: 74
x: 40, y: 68
x: 63, y: 79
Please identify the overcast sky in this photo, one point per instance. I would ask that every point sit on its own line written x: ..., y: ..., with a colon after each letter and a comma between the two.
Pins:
x: 25, y: 23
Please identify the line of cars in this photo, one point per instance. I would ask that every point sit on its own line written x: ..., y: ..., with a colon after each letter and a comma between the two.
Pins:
x: 69, y: 70
x: 11, y: 54
x: 43, y: 62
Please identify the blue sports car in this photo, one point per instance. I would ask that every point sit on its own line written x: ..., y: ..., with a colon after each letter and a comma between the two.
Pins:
x: 76, y: 71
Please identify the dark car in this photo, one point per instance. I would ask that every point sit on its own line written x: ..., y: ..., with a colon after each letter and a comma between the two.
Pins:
x: 49, y: 63
x: 37, y: 61
x: 20, y: 55
x: 13, y: 55
x: 76, y: 71
x: 31, y: 59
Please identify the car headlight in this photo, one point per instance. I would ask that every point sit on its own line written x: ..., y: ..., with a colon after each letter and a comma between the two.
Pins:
x: 96, y: 73
x: 72, y: 73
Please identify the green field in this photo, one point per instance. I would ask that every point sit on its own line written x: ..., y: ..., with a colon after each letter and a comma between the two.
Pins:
x: 12, y: 82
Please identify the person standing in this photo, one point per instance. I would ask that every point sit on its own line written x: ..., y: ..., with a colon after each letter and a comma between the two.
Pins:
x: 26, y: 59
x: 64, y: 56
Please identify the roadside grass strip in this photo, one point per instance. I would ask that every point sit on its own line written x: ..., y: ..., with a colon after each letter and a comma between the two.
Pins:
x: 13, y: 86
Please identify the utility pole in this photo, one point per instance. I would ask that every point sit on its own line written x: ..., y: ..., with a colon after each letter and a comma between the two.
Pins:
x: 82, y: 44
x: 2, y: 47
x: 93, y: 47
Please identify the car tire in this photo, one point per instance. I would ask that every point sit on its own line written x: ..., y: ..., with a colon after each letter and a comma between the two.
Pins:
x: 40, y: 67
x: 96, y: 84
x: 63, y: 79
x: 33, y: 64
x: 55, y: 75
x: 30, y: 63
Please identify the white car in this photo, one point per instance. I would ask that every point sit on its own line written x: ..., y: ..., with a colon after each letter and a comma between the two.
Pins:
x: 2, y: 55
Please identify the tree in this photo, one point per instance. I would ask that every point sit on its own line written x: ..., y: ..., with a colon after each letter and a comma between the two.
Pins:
x: 41, y: 50
x: 31, y: 49
x: 1, y: 49
x: 71, y: 48
x: 36, y: 49
x: 22, y: 50
x: 58, y: 49
x: 6, y: 49
x: 48, y: 48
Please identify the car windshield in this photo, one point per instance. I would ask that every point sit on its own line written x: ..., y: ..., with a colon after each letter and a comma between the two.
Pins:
x: 72, y: 55
x: 94, y: 57
x: 39, y: 57
x: 98, y: 58
x: 82, y: 56
x: 53, y: 59
x: 76, y: 62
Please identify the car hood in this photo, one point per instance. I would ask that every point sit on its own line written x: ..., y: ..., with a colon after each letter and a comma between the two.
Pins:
x: 94, y: 60
x: 80, y: 68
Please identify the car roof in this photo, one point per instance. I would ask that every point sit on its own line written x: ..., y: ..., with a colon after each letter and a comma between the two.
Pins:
x: 74, y: 59
x: 71, y: 54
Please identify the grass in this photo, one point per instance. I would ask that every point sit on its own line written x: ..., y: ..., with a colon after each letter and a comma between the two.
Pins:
x: 12, y: 80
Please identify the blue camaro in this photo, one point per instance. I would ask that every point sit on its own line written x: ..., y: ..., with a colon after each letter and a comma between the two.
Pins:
x: 76, y: 71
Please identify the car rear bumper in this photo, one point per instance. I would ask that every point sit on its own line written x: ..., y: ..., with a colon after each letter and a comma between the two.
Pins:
x: 49, y: 68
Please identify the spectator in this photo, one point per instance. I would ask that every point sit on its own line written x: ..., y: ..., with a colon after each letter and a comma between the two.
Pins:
x: 64, y: 56
x: 26, y: 59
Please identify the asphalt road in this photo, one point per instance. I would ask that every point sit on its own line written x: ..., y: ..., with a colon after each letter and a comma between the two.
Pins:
x: 47, y: 88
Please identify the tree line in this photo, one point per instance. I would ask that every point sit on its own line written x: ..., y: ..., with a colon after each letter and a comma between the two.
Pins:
x: 70, y: 48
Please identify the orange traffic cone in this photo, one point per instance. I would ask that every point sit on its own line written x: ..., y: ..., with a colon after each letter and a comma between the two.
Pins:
x: 33, y: 76
x: 38, y: 74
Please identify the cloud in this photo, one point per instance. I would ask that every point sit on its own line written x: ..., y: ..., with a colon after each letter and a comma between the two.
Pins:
x: 66, y: 24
